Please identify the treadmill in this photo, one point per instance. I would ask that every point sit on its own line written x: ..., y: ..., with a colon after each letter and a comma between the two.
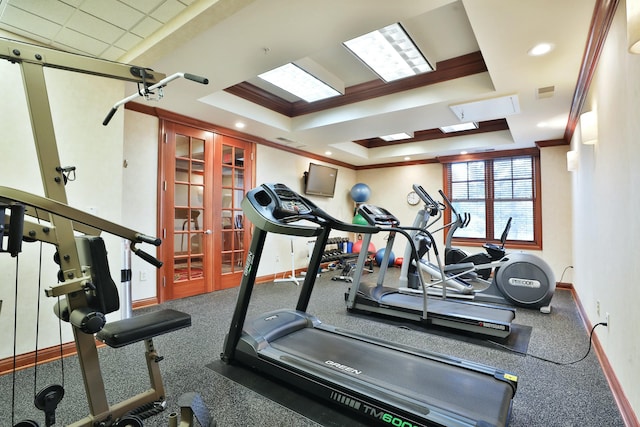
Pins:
x: 380, y: 382
x: 468, y: 317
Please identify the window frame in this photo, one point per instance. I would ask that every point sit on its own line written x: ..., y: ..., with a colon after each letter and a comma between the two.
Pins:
x: 536, y: 243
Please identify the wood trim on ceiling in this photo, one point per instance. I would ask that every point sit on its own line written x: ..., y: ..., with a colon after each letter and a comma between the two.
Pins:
x: 532, y: 151
x: 603, y: 13
x: 450, y: 69
x: 429, y: 134
x: 188, y: 121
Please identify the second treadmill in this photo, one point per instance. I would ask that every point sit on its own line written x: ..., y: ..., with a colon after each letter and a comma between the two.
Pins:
x: 472, y: 317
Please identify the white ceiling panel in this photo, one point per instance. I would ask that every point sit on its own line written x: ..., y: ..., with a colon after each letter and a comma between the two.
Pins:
x: 168, y: 10
x: 113, y: 11
x: 94, y: 27
x: 146, y: 27
x: 73, y: 39
x: 17, y: 19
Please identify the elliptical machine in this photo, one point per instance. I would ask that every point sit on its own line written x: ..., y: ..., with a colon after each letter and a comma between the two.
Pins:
x: 520, y: 279
x: 493, y: 252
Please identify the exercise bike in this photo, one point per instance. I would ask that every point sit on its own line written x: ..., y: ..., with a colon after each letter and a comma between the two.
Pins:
x: 519, y: 279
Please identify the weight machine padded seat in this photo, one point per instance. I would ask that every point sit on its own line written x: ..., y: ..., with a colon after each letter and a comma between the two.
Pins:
x: 137, y: 328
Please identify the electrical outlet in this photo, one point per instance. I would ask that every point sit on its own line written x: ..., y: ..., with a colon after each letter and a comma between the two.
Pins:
x: 143, y: 276
x: 598, y: 308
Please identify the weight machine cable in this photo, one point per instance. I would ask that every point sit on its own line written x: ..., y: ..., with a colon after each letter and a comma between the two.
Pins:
x: 15, y: 338
x: 15, y: 335
x: 35, y: 366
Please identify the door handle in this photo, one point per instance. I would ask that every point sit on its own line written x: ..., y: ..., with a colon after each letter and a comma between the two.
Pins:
x: 207, y: 232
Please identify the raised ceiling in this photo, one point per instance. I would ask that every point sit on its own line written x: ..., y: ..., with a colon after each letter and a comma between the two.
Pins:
x: 479, y: 48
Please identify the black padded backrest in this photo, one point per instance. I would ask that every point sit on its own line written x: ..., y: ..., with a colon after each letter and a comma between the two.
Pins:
x: 93, y: 253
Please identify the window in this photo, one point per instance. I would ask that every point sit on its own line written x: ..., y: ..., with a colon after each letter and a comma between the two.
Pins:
x: 493, y: 189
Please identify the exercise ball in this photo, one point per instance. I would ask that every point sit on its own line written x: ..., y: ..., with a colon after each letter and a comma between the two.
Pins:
x: 357, y: 246
x: 380, y: 255
x: 360, y: 192
x: 359, y: 219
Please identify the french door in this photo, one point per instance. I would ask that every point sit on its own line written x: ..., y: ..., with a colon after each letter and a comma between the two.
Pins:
x: 204, y: 177
x: 236, y: 179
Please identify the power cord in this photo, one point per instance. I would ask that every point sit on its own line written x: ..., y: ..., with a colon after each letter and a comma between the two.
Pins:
x: 564, y: 271
x: 554, y: 361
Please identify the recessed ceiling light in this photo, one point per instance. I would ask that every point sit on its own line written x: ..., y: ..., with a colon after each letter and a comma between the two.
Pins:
x: 297, y: 81
x: 390, y: 53
x: 464, y: 152
x: 328, y: 153
x: 541, y: 49
x: 240, y: 125
x: 459, y: 127
x: 396, y: 136
x: 407, y: 158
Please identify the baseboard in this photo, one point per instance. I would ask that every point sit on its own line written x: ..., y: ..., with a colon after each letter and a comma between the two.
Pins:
x: 148, y: 302
x: 45, y: 355
x: 626, y: 410
x: 280, y: 275
x: 50, y: 354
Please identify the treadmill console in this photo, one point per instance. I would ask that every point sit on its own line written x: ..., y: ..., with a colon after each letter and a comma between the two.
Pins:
x: 286, y: 204
x: 375, y: 215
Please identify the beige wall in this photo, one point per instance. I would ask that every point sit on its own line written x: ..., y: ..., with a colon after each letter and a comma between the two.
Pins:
x: 389, y: 188
x: 606, y: 204
x: 139, y: 207
x: 79, y: 103
x: 276, y: 166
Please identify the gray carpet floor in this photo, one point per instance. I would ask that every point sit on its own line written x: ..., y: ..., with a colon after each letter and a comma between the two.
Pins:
x: 548, y: 394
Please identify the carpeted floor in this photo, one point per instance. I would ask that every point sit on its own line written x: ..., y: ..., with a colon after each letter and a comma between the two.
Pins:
x: 548, y: 394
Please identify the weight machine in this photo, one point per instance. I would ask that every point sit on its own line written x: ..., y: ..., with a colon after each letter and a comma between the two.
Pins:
x: 85, y: 288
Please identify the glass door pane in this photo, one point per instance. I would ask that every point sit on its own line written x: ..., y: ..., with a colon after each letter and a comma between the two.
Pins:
x: 232, y: 216
x: 189, y: 190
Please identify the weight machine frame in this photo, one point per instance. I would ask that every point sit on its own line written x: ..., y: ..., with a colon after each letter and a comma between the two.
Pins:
x: 63, y: 221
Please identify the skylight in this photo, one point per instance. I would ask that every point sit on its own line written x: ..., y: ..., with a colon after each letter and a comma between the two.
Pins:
x: 390, y: 53
x: 396, y: 136
x: 300, y: 83
x: 459, y: 127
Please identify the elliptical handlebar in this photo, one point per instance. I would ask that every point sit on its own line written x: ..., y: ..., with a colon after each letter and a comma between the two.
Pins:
x: 432, y: 207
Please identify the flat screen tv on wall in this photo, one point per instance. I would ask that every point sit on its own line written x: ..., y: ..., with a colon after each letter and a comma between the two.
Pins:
x: 320, y: 180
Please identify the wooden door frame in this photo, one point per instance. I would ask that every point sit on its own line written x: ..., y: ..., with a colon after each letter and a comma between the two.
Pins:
x: 162, y: 290
x: 165, y: 291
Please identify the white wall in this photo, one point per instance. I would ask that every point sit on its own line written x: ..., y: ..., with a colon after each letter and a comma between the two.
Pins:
x: 79, y: 104
x: 606, y: 205
x: 556, y: 213
x: 391, y: 185
x: 276, y: 166
x: 389, y: 188
x: 140, y: 198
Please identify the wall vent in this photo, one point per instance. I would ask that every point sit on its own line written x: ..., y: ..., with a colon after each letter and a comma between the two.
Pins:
x: 545, y: 92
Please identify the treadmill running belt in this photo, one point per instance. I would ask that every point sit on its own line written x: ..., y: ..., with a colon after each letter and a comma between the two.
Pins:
x: 420, y: 380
